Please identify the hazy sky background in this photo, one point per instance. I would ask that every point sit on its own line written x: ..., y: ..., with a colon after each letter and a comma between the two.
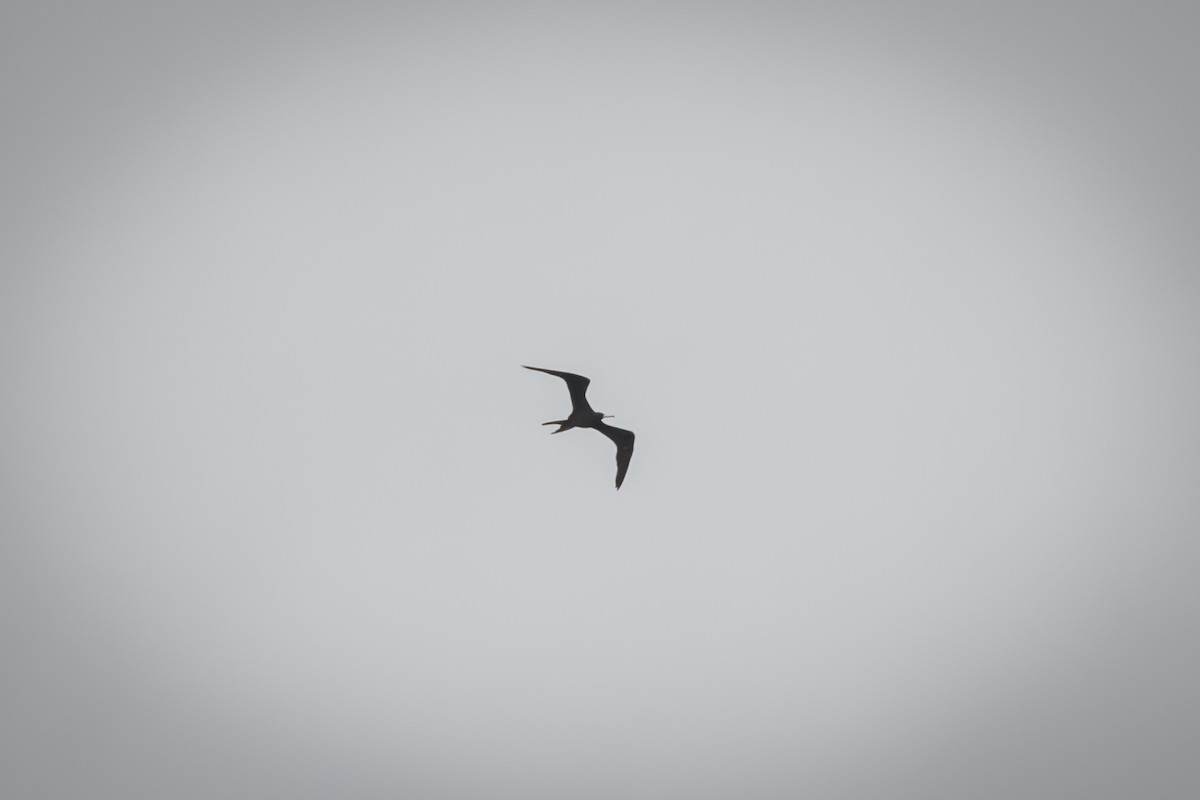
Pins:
x: 900, y: 301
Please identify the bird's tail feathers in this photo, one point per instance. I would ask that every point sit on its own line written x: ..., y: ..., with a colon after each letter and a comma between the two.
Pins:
x: 560, y: 422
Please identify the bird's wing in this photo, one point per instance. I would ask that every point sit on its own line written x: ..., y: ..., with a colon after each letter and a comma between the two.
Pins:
x: 576, y: 384
x: 623, y: 439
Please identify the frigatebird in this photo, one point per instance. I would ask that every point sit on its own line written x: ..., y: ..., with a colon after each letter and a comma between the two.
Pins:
x: 582, y: 416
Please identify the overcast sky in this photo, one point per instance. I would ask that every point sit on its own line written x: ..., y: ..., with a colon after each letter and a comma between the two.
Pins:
x: 900, y: 302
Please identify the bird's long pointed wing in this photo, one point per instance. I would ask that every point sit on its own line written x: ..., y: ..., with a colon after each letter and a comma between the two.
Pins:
x: 576, y: 384
x: 623, y: 439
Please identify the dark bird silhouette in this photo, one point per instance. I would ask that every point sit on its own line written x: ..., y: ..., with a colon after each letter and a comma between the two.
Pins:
x: 582, y: 416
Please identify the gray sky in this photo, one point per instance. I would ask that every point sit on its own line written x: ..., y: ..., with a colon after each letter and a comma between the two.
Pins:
x: 901, y: 304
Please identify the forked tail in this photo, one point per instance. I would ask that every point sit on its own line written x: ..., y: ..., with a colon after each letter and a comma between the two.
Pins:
x: 562, y: 423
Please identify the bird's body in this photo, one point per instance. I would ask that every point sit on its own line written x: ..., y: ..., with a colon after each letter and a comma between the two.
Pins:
x: 582, y: 416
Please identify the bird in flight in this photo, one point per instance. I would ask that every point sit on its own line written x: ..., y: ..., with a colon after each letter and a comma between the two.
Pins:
x: 582, y: 416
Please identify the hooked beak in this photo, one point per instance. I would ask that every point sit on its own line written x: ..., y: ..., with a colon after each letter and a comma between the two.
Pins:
x: 609, y: 416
